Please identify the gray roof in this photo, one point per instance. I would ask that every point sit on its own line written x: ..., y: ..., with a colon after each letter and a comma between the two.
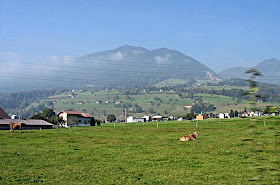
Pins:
x: 27, y: 122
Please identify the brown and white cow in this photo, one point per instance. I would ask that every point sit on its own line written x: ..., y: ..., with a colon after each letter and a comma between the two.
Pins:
x: 189, y: 137
x: 16, y: 125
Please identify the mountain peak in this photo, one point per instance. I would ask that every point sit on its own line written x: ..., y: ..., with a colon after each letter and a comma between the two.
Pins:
x: 126, y: 48
x: 268, y: 63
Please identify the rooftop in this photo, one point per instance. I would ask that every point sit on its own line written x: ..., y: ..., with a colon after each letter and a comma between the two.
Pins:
x: 3, y: 114
x: 27, y: 121
x: 69, y: 112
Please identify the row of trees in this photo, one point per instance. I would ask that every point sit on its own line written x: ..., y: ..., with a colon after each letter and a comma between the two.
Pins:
x: 47, y: 115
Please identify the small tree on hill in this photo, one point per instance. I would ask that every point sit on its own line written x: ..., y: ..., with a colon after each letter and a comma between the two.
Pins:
x: 231, y: 114
x: 111, y: 118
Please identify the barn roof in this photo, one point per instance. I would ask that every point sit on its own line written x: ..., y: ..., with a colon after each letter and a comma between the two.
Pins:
x: 30, y: 122
x: 3, y: 114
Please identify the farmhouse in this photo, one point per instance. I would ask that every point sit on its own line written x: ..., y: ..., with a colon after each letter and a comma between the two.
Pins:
x: 134, y: 119
x: 201, y: 117
x: 74, y: 118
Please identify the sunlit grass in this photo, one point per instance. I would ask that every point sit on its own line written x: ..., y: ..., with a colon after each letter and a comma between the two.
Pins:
x: 138, y: 153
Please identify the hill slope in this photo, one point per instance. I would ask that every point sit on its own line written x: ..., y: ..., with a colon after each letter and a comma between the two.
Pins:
x: 269, y: 69
x: 122, y: 67
x: 129, y: 65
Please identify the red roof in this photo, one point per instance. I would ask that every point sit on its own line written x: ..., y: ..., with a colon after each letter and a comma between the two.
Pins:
x: 85, y: 115
x: 70, y: 112
x: 3, y: 114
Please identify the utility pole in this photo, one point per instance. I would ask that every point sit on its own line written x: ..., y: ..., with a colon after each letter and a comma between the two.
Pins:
x: 125, y: 115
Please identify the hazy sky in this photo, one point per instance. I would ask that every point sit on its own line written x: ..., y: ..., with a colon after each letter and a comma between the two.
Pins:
x: 220, y: 34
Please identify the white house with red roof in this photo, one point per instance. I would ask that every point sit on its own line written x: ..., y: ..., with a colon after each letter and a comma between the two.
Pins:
x: 74, y: 118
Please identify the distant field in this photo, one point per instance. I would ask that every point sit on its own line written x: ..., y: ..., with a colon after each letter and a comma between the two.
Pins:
x: 225, y: 152
x: 163, y: 103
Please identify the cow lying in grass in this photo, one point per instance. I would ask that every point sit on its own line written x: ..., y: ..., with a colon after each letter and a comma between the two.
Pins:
x: 16, y: 125
x: 189, y: 137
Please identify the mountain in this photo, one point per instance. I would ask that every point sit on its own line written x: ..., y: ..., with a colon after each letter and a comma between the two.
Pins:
x: 140, y: 66
x: 270, y: 70
x: 234, y: 72
x: 123, y: 66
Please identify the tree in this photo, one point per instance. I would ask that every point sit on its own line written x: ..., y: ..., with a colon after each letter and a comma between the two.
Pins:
x: 267, y: 109
x: 252, y: 92
x: 190, y: 116
x: 47, y: 115
x: 92, y: 121
x: 111, y: 118
x: 202, y: 107
x: 231, y: 114
x: 151, y: 110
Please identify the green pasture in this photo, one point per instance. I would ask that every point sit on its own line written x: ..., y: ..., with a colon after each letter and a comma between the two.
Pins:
x: 160, y: 102
x: 235, y: 151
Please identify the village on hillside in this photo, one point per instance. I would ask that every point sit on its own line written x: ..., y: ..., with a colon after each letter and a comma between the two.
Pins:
x: 69, y: 119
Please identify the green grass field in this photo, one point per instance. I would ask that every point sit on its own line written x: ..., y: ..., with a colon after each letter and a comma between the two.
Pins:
x: 236, y: 151
x: 164, y: 103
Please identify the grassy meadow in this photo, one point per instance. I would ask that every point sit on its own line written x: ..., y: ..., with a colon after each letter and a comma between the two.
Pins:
x: 235, y: 151
x: 163, y: 103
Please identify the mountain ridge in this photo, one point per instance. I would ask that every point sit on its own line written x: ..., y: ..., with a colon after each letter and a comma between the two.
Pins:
x: 123, y: 66
x: 269, y: 68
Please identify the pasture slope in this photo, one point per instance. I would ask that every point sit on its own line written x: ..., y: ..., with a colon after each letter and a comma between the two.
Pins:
x: 236, y: 151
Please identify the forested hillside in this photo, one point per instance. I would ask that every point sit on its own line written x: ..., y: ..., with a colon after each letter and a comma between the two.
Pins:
x: 204, y: 96
x: 18, y: 102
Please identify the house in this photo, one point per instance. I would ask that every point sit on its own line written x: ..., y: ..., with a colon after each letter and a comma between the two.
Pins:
x: 188, y: 106
x: 201, y: 117
x: 172, y: 117
x: 211, y: 115
x: 227, y: 115
x: 221, y: 115
x: 3, y: 114
x: 244, y: 114
x: 157, y: 118
x: 180, y: 119
x: 135, y: 120
x: 74, y: 118
x: 147, y: 118
x: 255, y: 114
